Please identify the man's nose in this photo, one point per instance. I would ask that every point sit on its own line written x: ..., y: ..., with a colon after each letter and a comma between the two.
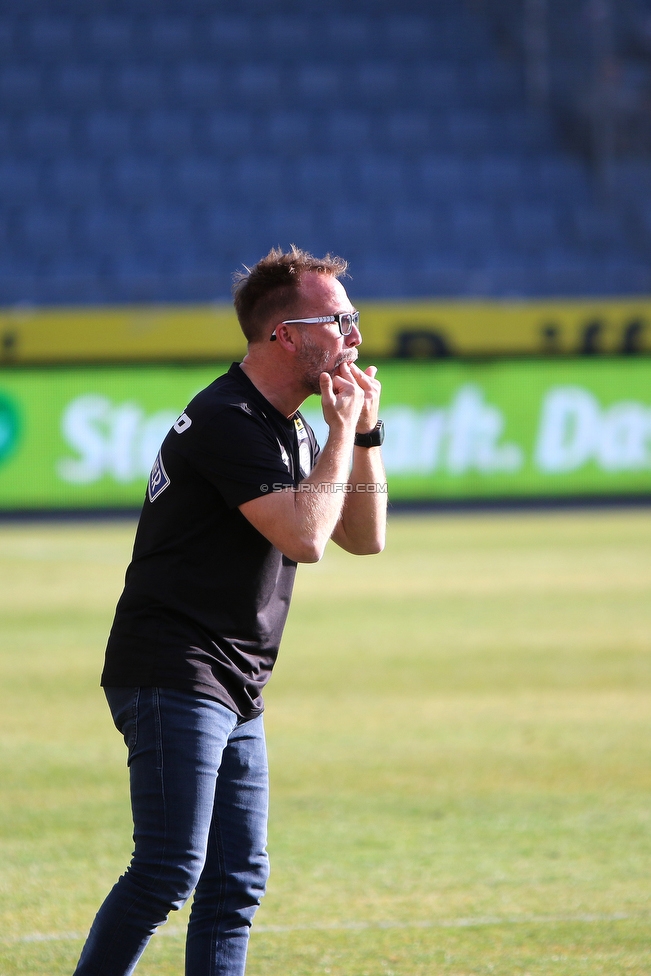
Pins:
x: 354, y: 337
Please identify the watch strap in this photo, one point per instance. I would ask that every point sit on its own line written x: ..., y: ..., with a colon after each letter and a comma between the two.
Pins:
x: 374, y: 438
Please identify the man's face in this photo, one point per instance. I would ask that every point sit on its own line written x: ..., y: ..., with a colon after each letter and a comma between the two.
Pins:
x: 322, y: 347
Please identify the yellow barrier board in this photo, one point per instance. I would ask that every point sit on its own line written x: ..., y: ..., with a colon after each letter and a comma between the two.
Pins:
x: 417, y: 329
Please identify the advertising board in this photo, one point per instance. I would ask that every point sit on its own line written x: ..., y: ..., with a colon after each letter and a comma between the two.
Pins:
x: 419, y: 329
x: 84, y: 438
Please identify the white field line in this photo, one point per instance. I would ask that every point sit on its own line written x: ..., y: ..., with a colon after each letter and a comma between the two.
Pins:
x: 442, y: 923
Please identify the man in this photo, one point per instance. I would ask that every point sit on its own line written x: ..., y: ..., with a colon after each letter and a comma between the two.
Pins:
x: 238, y: 495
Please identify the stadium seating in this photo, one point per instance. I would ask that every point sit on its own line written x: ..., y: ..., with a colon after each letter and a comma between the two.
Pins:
x: 148, y: 148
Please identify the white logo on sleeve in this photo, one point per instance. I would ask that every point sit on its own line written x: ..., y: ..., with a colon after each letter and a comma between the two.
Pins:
x: 304, y: 452
x: 158, y: 479
x: 182, y: 423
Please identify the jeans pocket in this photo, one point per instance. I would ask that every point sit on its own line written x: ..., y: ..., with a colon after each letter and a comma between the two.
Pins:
x: 123, y: 703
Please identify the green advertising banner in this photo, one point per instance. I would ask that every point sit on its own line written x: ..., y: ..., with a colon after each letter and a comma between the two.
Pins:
x: 86, y: 437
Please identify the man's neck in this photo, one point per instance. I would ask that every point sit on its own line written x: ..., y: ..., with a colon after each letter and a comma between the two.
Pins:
x: 286, y: 396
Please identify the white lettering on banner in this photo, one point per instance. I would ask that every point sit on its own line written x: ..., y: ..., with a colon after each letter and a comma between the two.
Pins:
x: 115, y: 440
x: 474, y: 429
x: 575, y: 429
x: 456, y: 439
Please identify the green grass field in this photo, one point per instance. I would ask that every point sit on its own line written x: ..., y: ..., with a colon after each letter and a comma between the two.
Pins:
x: 459, y: 735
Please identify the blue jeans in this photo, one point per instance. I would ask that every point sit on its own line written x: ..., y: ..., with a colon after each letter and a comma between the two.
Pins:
x: 199, y: 795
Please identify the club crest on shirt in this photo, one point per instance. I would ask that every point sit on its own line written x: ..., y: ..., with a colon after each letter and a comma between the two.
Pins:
x: 158, y: 479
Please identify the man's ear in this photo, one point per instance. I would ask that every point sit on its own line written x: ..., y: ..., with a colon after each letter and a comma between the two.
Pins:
x: 286, y: 338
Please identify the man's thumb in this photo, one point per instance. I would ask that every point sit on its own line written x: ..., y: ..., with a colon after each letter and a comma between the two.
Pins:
x: 325, y: 382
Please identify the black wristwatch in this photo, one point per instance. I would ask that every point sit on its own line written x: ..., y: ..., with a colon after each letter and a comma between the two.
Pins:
x: 374, y: 438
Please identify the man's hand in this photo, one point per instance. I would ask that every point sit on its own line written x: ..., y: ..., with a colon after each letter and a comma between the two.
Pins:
x: 342, y: 396
x: 300, y: 523
x: 361, y: 525
x: 371, y: 387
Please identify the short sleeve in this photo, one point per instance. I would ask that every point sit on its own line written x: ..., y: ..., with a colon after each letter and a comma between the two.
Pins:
x: 237, y: 452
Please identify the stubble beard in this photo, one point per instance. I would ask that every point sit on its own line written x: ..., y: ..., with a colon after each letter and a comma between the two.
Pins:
x: 315, y: 361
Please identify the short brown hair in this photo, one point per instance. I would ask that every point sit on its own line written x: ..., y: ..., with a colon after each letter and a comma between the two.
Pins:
x: 270, y: 287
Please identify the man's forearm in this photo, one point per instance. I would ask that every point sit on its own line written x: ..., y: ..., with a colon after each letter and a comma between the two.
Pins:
x: 319, y: 498
x: 361, y: 528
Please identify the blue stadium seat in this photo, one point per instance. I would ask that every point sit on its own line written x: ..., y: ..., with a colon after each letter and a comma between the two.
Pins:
x: 164, y: 230
x: 533, y: 225
x: 289, y: 132
x: 365, y: 128
x: 345, y: 33
x: 165, y: 132
x: 170, y: 36
x: 319, y: 84
x: 78, y: 85
x: 284, y: 226
x: 523, y: 130
x: 436, y: 84
x: 408, y: 33
x: 51, y: 35
x: 381, y: 177
x: 597, y: 228
x: 137, y: 179
x: 7, y: 37
x: 19, y: 181
x: 74, y: 181
x: 109, y: 36
x: 286, y: 34
x: 259, y: 179
x: 320, y: 178
x: 198, y: 180
x: 140, y: 277
x: 633, y: 178
x: 20, y: 87
x: 412, y: 229
x: 474, y: 225
x: 138, y: 86
x: 492, y: 84
x: 107, y: 133
x: 74, y: 269
x: 8, y: 137
x: 560, y: 175
x: 226, y: 132
x: 352, y: 228
x: 409, y: 129
x: 232, y: 34
x: 256, y: 83
x: 441, y: 176
x: 106, y: 230
x: 376, y: 82
x: 43, y: 230
x: 228, y: 229
x: 344, y: 128
x: 18, y: 280
x: 473, y: 131
x: 45, y: 134
x: 378, y: 275
x: 196, y: 84
x: 562, y: 260
x: 500, y: 175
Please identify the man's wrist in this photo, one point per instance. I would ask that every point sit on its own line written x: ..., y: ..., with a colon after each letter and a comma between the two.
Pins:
x: 371, y: 438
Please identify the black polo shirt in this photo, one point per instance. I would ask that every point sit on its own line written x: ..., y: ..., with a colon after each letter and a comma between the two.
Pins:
x: 206, y: 596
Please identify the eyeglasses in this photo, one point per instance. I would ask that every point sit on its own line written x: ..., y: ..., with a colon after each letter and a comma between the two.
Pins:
x: 345, y: 320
